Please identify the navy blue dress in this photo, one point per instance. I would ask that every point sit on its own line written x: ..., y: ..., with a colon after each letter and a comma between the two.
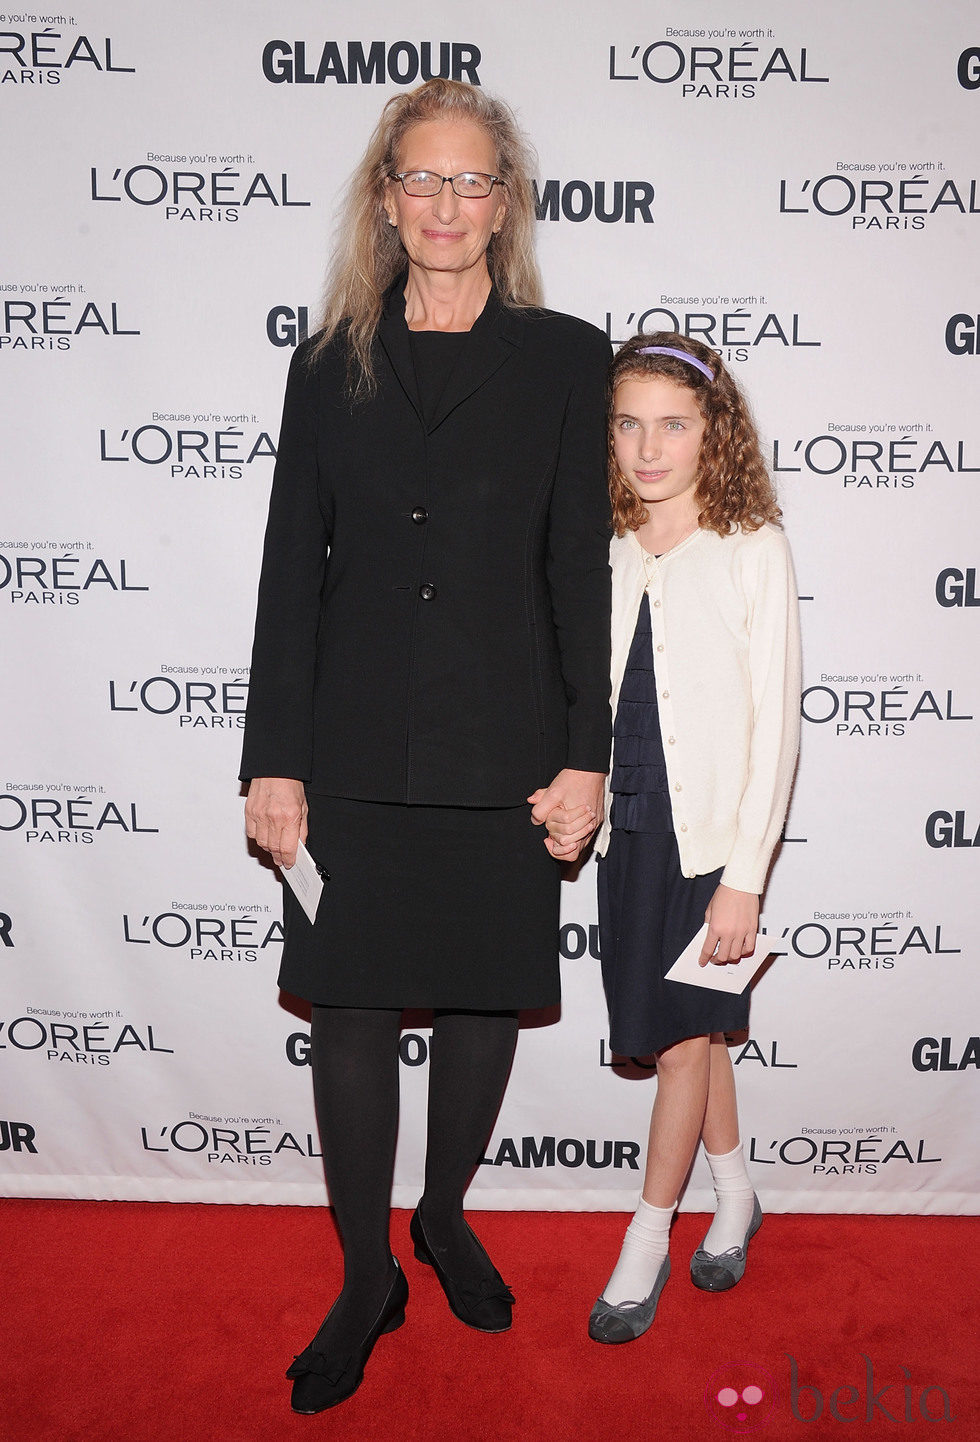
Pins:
x: 648, y: 910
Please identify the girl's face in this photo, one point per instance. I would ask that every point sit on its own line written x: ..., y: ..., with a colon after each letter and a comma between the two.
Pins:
x: 657, y: 429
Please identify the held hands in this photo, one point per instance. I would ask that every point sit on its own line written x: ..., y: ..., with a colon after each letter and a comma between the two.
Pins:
x: 571, y: 808
x: 275, y: 816
x: 733, y: 920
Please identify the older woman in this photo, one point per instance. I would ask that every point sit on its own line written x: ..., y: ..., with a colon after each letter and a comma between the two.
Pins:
x: 431, y: 655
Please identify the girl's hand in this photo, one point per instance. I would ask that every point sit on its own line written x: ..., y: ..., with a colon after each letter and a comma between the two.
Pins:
x: 275, y: 816
x: 571, y: 795
x: 569, y: 828
x: 733, y: 920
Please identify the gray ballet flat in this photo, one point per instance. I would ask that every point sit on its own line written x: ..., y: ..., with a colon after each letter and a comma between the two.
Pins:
x: 718, y: 1273
x: 625, y: 1321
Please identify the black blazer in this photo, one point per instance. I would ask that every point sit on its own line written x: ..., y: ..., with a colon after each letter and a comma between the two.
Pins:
x: 433, y: 612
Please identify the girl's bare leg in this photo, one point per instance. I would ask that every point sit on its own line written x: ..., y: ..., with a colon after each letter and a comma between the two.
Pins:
x: 720, y: 1130
x: 734, y: 1193
x: 675, y: 1126
x: 683, y: 1076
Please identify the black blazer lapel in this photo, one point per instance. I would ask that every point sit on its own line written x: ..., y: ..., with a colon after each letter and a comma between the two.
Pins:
x: 393, y: 335
x: 496, y: 335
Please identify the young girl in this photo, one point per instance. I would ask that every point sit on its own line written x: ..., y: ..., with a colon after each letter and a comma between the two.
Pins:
x: 705, y: 691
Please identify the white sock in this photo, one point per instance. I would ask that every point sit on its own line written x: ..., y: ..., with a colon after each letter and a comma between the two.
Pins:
x: 735, y: 1196
x: 644, y: 1248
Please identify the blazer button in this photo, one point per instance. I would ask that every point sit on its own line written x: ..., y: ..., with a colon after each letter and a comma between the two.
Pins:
x: 427, y: 592
x: 420, y: 515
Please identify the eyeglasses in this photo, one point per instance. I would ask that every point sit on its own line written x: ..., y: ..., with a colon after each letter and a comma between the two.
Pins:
x: 468, y: 185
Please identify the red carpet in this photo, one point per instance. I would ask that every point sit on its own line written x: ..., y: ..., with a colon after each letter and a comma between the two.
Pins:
x: 141, y: 1322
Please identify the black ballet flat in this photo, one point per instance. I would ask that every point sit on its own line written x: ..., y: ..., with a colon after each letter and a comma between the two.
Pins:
x: 320, y: 1381
x: 486, y: 1305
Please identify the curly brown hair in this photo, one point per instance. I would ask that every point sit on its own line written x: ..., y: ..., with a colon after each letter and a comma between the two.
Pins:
x: 734, y: 488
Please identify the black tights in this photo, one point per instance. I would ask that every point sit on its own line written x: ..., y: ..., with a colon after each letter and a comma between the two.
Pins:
x: 354, y: 1052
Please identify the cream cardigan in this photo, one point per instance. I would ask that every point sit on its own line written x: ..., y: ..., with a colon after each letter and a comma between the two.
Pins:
x: 726, y: 643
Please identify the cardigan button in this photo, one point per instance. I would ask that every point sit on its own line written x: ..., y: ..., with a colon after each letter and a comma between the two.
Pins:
x: 420, y: 515
x: 670, y: 740
x: 683, y: 825
x: 660, y: 648
x: 678, y: 786
x: 665, y: 695
x: 656, y: 604
x: 427, y: 592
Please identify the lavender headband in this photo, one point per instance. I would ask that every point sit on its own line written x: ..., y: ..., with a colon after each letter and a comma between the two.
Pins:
x: 680, y: 355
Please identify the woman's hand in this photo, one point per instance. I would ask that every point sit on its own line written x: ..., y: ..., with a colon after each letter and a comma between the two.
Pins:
x: 733, y: 920
x: 275, y: 816
x: 571, y: 808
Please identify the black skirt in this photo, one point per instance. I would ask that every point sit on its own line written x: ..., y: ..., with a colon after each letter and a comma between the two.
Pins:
x: 648, y: 912
x: 426, y: 906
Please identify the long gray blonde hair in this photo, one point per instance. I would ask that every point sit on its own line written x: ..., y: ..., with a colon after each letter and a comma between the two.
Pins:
x: 370, y: 254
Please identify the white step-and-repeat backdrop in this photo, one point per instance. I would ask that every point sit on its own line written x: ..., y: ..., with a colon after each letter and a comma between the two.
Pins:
x: 797, y: 186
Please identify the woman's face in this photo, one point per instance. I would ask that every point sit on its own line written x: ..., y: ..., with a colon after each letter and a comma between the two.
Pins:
x: 445, y: 232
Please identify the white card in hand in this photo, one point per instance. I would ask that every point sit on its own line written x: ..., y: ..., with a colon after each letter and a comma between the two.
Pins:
x: 734, y: 976
x: 306, y: 881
